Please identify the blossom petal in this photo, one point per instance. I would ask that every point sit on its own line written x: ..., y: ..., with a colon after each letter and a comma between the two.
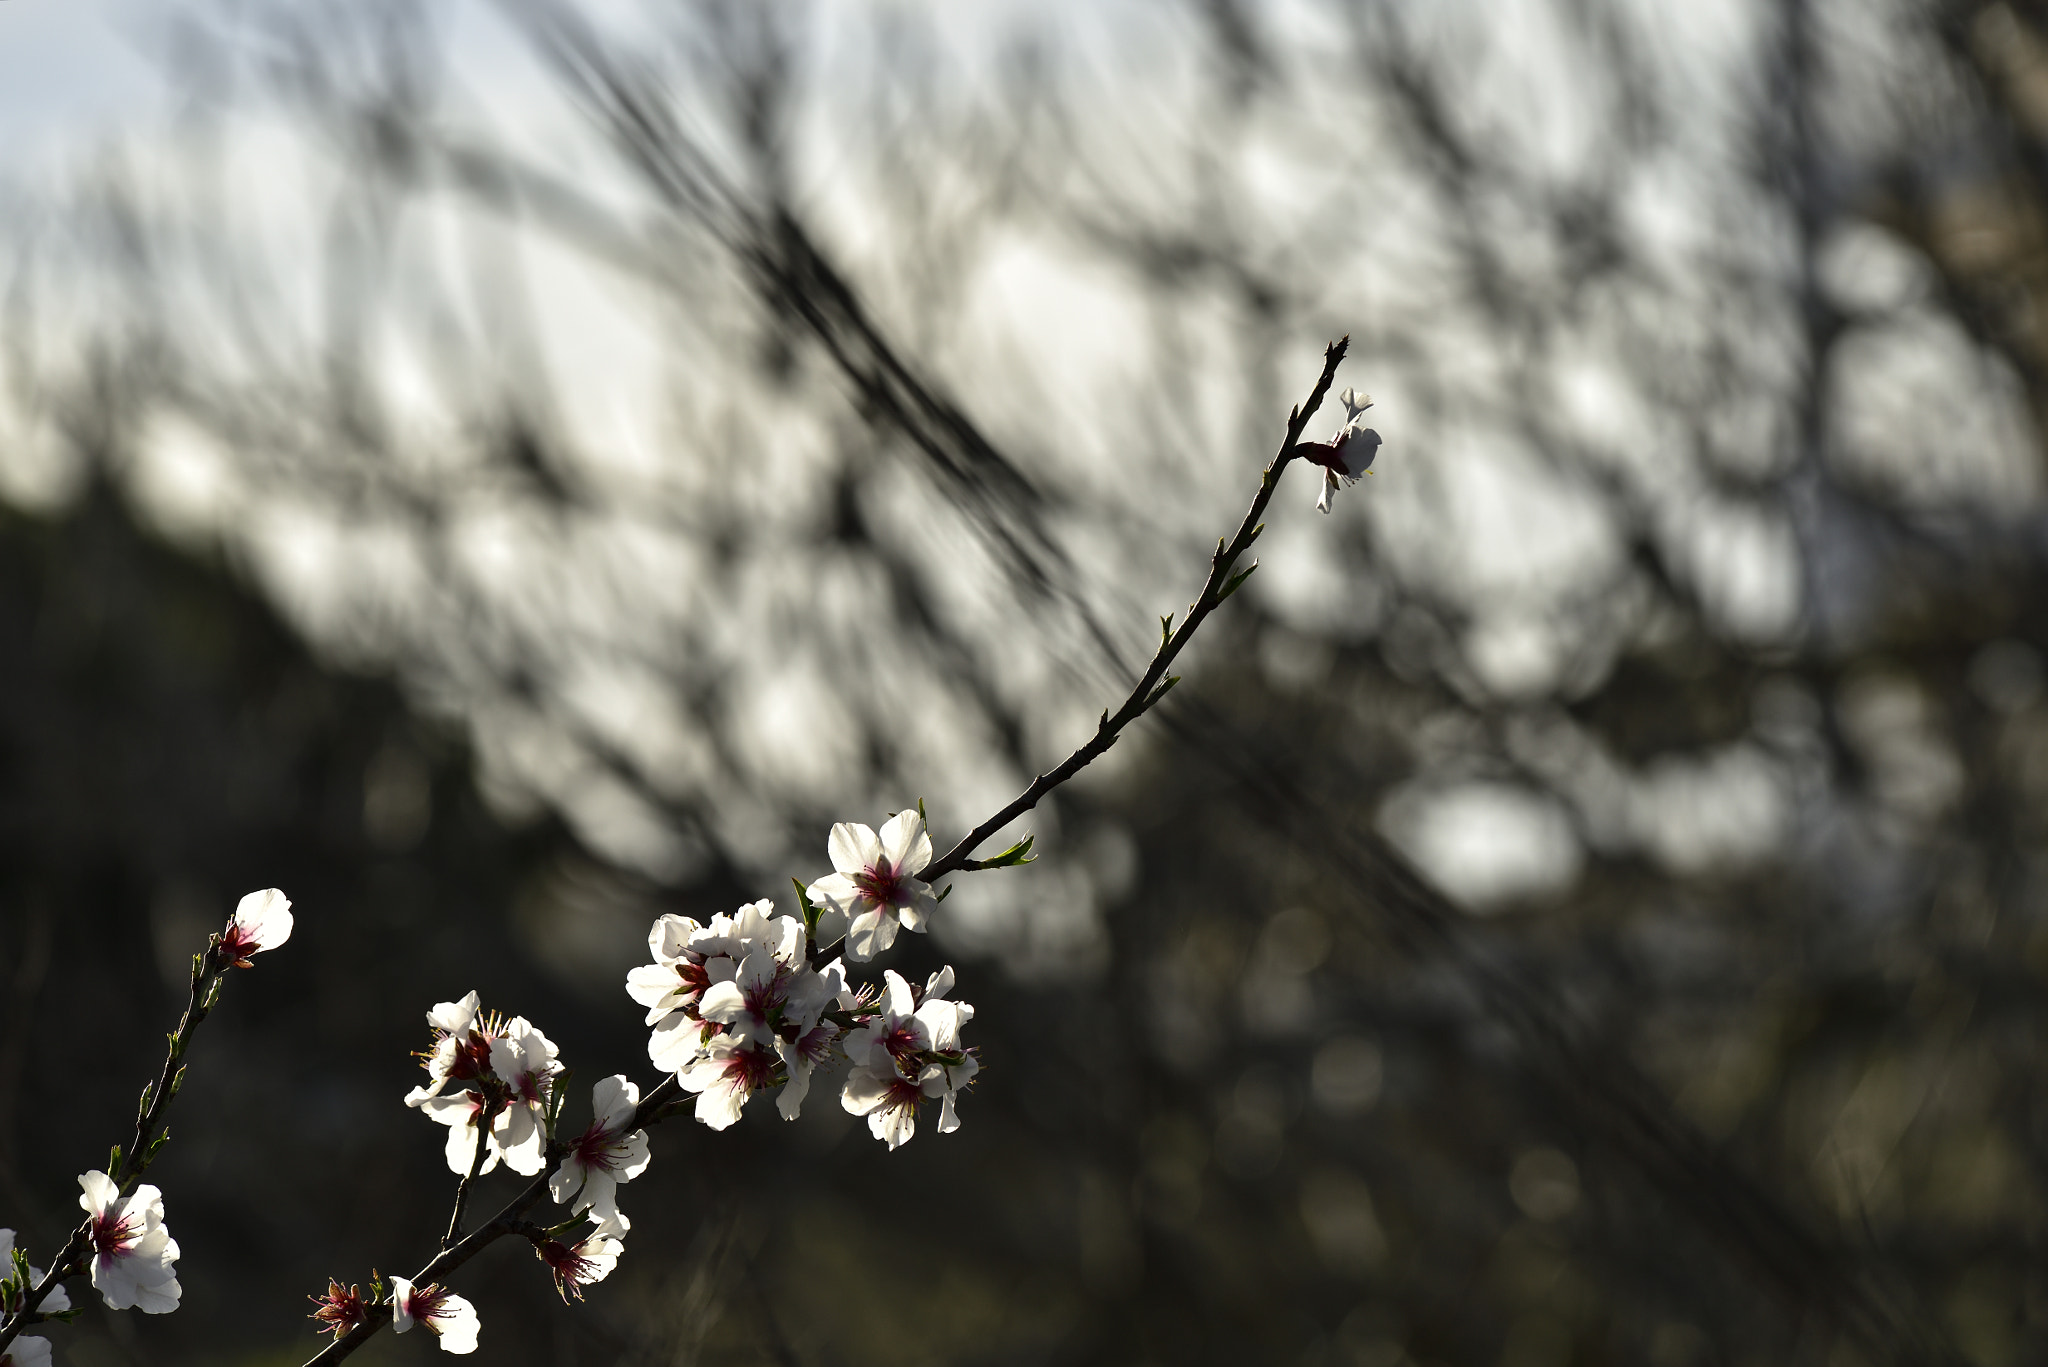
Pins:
x: 650, y: 983
x: 454, y: 1017
x: 456, y: 1325
x: 100, y: 1193
x: 675, y: 1042
x: 869, y: 934
x: 266, y: 917
x: 613, y: 1100
x: 401, y: 1305
x: 905, y: 842
x: 853, y: 847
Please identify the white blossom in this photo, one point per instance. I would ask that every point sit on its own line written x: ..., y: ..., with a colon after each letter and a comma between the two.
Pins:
x: 730, y: 1071
x: 1346, y: 457
x: 909, y: 1052
x: 606, y: 1154
x: 524, y: 1060
x: 262, y: 920
x: 955, y: 1067
x: 887, y: 1098
x: 462, y: 1047
x: 872, y: 889
x: 132, y: 1249
x: 441, y: 1312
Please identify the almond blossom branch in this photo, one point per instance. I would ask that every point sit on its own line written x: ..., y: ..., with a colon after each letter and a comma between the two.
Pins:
x: 653, y: 1108
x: 1155, y: 682
x: 261, y: 921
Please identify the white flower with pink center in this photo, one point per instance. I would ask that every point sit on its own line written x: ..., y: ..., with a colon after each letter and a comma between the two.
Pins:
x: 603, y: 1156
x: 262, y: 920
x: 524, y: 1060
x: 730, y: 1071
x: 55, y: 1301
x: 442, y: 1313
x: 895, y: 1035
x: 132, y: 1251
x: 909, y: 1052
x: 873, y: 888
x: 750, y: 1004
x: 887, y: 1098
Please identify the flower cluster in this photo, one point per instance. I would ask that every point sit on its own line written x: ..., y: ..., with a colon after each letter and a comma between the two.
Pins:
x: 505, y: 1072
x: 496, y: 1082
x: 737, y: 1006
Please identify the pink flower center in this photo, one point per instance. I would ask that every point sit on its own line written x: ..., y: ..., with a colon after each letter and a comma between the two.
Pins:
x: 113, y: 1237
x: 764, y: 997
x: 903, y: 1040
x: 472, y: 1058
x: 881, y: 884
x: 429, y: 1303
x: 595, y: 1148
x: 750, y: 1069
x: 817, y: 1045
x: 531, y: 1087
x: 339, y: 1311
x: 569, y: 1267
x: 237, y: 944
x: 904, y: 1095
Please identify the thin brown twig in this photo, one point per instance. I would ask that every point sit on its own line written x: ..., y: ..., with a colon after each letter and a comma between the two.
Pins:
x: 476, y: 1166
x: 1153, y: 684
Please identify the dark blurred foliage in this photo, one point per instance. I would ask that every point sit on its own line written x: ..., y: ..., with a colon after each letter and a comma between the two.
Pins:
x: 1748, y: 1069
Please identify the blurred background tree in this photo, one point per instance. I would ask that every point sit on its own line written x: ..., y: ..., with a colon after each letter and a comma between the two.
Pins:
x: 500, y: 473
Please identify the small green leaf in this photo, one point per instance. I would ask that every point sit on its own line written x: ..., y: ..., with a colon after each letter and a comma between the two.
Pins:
x: 944, y: 893
x: 810, y: 912
x: 1162, y: 690
x: 113, y: 1160
x: 1166, y: 628
x: 1018, y: 854
x: 1236, y: 579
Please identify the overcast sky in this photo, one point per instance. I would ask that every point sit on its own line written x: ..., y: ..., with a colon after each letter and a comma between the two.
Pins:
x: 69, y: 70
